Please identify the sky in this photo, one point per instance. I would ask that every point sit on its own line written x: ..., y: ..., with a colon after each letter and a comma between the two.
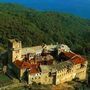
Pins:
x: 76, y: 7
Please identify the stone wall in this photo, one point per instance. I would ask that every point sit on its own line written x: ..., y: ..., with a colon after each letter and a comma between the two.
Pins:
x: 42, y: 78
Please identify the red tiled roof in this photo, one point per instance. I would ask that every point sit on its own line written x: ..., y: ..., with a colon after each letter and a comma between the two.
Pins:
x: 21, y: 64
x: 74, y: 58
x: 69, y: 54
x: 18, y: 63
x: 24, y: 64
x: 33, y: 68
x: 34, y: 71
x: 78, y: 59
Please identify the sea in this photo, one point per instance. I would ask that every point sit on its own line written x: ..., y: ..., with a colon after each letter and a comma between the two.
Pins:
x: 77, y: 7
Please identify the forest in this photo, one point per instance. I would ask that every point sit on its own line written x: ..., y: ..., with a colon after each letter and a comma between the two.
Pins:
x: 35, y: 27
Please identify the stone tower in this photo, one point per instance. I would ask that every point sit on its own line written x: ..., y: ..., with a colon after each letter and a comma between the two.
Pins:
x: 14, y: 50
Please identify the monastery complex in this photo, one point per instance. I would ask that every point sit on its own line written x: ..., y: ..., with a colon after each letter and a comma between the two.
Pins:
x: 45, y: 64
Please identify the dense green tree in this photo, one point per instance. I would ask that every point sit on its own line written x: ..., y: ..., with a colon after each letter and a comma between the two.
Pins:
x: 37, y: 27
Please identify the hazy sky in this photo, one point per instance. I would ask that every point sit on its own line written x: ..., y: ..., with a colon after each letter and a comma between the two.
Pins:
x: 77, y: 7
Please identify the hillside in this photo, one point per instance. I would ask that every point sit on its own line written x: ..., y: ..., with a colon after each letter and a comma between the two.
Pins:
x: 35, y: 27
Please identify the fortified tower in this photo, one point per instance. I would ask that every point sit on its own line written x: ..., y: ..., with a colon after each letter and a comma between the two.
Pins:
x: 14, y: 50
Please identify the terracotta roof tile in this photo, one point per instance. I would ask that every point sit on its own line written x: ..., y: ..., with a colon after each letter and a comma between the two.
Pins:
x: 69, y: 54
x: 75, y: 58
x: 78, y: 60
x: 34, y: 71
x: 33, y: 68
x: 24, y: 64
x: 18, y: 63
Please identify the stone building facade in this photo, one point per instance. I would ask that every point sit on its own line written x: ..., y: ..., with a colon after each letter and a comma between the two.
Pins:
x: 37, y: 63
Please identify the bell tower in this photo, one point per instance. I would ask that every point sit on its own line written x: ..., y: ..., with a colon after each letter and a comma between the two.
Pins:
x: 14, y: 50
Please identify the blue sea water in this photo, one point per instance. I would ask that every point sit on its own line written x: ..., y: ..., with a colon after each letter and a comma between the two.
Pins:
x: 76, y: 7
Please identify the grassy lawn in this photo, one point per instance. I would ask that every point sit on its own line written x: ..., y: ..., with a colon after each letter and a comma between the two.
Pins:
x: 4, y: 80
